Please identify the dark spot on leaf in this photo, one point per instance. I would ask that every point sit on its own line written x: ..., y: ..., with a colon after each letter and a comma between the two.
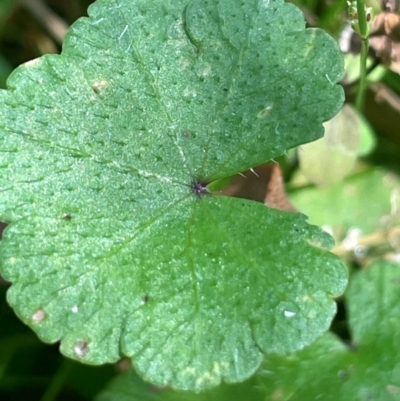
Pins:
x: 146, y: 298
x: 199, y: 188
x: 67, y: 217
x: 225, y: 89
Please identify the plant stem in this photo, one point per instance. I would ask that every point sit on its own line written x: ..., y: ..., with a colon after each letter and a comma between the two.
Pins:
x: 56, y: 26
x: 362, y: 18
x: 362, y: 21
x: 57, y: 382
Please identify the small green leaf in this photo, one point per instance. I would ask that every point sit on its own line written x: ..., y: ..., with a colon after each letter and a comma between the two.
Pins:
x: 353, y: 203
x: 337, y: 151
x: 330, y: 370
x: 113, y: 247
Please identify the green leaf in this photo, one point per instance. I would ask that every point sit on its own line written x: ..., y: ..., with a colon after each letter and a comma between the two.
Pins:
x: 329, y: 369
x: 347, y: 136
x: 352, y: 204
x: 336, y: 151
x: 129, y: 387
x: 113, y: 248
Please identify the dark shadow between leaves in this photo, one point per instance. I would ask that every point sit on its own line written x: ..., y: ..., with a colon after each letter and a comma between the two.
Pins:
x: 262, y: 184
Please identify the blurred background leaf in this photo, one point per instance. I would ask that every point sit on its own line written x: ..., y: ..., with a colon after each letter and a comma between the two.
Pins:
x: 328, y: 160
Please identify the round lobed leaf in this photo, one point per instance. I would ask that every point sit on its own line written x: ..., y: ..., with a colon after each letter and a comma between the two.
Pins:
x: 114, y: 245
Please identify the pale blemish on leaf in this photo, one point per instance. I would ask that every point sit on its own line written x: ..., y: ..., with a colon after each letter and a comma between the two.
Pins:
x: 208, y: 379
x: 265, y: 112
x: 100, y: 85
x: 289, y: 314
x: 12, y: 260
x: 81, y: 348
x: 205, y: 71
x: 189, y: 93
x: 39, y: 316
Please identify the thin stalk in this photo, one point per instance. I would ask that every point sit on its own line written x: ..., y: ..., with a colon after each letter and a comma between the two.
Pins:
x: 362, y: 86
x: 57, y: 381
x: 362, y: 18
x: 362, y: 21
